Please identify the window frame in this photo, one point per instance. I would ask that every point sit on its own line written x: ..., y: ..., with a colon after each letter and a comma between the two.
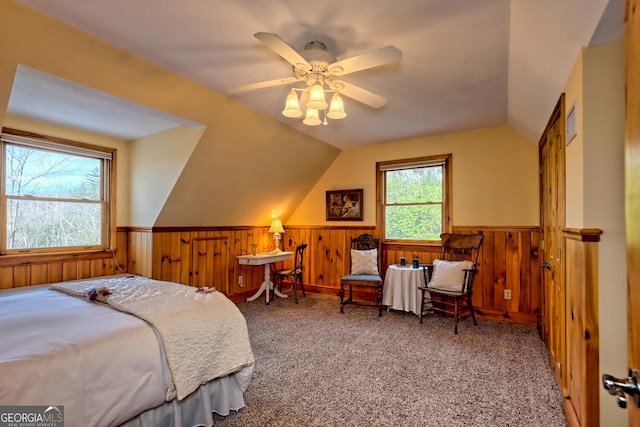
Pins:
x: 61, y: 145
x: 444, y: 160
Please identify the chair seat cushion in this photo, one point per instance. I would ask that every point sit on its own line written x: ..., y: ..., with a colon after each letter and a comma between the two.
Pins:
x: 364, y: 262
x: 449, y: 275
x: 287, y: 272
x: 362, y: 278
x: 445, y: 292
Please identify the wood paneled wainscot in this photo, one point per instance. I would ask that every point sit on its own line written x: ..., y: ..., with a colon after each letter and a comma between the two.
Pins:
x: 208, y: 257
x: 508, y: 260
x: 582, y: 346
x: 29, y: 270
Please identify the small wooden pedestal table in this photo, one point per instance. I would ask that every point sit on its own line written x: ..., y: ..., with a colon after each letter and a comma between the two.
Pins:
x: 265, y: 259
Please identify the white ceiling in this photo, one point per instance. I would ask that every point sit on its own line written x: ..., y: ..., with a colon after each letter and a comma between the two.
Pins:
x: 466, y: 64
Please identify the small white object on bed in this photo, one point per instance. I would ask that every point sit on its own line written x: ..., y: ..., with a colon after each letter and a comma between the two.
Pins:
x: 107, y: 367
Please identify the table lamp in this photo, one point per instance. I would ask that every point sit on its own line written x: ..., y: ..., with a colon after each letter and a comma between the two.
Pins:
x: 276, y: 229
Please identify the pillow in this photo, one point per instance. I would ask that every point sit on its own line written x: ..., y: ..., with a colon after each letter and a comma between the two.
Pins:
x: 364, y: 262
x: 448, y: 275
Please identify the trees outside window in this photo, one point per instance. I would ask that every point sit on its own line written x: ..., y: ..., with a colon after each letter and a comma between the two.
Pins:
x: 56, y: 196
x: 414, y: 198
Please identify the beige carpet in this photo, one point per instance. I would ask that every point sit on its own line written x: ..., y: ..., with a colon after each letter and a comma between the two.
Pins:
x: 317, y: 367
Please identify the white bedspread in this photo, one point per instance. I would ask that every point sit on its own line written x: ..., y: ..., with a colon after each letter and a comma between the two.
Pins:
x: 59, y: 350
x: 204, y: 334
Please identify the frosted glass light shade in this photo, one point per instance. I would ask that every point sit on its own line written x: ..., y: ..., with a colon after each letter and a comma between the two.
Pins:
x: 336, y: 111
x: 312, y: 118
x: 292, y: 107
x: 276, y: 226
x: 316, y: 98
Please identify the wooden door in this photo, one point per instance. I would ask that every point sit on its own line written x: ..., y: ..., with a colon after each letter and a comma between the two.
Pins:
x: 552, y: 221
x: 626, y: 390
x: 632, y: 188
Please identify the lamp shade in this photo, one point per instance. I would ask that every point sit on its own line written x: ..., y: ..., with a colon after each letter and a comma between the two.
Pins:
x: 292, y: 107
x: 312, y: 118
x: 276, y: 226
x: 336, y: 111
x: 316, y: 98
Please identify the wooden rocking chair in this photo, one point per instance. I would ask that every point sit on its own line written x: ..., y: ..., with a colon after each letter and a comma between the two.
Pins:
x: 448, y: 282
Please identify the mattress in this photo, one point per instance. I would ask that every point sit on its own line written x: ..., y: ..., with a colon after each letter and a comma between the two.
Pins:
x: 104, y: 366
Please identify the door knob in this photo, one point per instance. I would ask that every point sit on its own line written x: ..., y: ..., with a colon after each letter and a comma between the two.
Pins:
x: 623, y: 387
x: 546, y: 265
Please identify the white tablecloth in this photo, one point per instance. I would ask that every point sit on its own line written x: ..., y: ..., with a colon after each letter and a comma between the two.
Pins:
x: 401, y: 288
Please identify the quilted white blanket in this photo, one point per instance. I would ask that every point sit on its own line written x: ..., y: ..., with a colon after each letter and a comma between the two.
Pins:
x: 204, y: 334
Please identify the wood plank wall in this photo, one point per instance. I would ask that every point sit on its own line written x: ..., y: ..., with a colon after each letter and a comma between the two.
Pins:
x: 205, y: 257
x: 508, y: 259
x: 30, y: 270
x: 582, y: 346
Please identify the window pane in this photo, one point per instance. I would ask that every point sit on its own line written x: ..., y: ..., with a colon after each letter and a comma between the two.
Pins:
x: 419, y: 222
x: 42, y: 173
x: 417, y: 185
x: 47, y: 224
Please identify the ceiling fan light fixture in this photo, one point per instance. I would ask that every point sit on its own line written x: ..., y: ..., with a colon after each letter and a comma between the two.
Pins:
x: 336, y: 111
x: 316, y: 98
x: 317, y: 67
x: 312, y: 117
x: 292, y: 106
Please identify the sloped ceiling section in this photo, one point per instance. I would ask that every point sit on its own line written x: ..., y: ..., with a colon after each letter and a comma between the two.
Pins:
x: 246, y: 177
x: 44, y: 97
x: 545, y: 39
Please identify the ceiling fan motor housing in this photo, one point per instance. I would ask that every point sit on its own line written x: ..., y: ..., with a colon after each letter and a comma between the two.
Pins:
x: 317, y: 55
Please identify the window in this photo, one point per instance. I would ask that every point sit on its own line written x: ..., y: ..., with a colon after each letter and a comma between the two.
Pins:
x: 56, y: 195
x: 414, y: 198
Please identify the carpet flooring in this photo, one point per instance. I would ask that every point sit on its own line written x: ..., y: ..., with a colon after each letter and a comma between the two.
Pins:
x: 317, y: 367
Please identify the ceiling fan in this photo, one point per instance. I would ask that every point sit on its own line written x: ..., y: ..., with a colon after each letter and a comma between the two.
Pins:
x: 318, y: 67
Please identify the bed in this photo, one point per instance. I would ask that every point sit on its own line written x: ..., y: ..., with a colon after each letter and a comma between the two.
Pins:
x: 143, y: 353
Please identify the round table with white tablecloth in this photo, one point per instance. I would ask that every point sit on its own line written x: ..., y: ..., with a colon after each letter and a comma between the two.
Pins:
x: 401, y: 288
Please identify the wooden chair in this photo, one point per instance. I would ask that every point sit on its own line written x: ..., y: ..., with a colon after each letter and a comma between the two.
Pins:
x: 294, y: 274
x: 364, y: 270
x: 448, y: 282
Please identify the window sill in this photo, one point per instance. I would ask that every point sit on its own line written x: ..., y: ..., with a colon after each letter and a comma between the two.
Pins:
x: 399, y: 245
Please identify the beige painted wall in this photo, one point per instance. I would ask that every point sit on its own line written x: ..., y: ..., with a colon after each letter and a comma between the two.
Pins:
x: 242, y: 156
x: 595, y: 197
x: 156, y: 164
x: 574, y: 153
x: 122, y: 162
x: 495, y: 177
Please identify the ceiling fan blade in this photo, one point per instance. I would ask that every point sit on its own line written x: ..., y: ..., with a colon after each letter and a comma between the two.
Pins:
x: 375, y: 58
x: 275, y: 43
x: 361, y: 95
x: 261, y: 85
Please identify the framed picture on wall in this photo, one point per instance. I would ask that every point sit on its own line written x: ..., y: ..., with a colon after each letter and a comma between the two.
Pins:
x: 344, y: 205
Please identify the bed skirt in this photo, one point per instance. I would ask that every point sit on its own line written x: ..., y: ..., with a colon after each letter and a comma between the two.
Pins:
x: 221, y: 396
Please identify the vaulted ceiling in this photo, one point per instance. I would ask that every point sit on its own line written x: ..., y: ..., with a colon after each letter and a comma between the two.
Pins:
x: 466, y: 64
